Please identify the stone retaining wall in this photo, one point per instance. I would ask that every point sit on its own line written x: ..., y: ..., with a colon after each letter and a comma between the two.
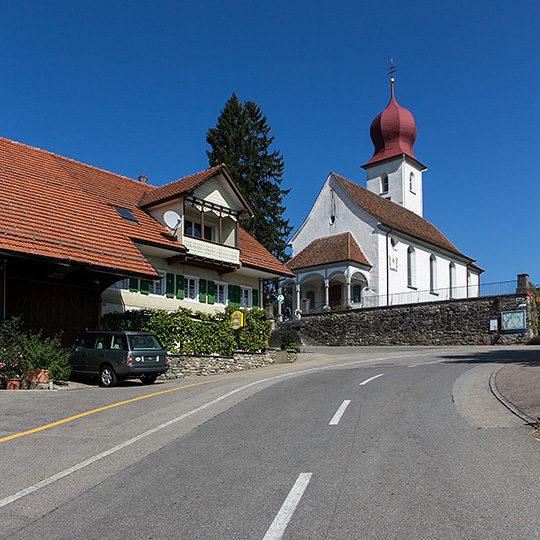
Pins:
x: 188, y: 365
x: 456, y: 322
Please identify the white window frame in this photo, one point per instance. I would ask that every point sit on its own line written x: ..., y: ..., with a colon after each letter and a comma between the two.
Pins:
x: 217, y: 293
x: 187, y: 281
x: 411, y: 267
x: 411, y: 182
x: 194, y: 222
x: 247, y: 292
x: 159, y: 285
x: 433, y: 274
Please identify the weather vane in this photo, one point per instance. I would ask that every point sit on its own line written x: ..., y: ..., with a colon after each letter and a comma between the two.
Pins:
x: 391, y: 70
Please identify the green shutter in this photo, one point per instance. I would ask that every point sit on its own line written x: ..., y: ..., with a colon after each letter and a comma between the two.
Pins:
x: 145, y: 287
x: 202, y: 290
x: 232, y: 295
x: 170, y: 285
x: 236, y: 295
x: 255, y: 298
x: 133, y: 285
x: 179, y: 286
x: 211, y: 292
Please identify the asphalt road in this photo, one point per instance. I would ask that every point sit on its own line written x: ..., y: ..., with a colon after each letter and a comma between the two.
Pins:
x: 353, y: 443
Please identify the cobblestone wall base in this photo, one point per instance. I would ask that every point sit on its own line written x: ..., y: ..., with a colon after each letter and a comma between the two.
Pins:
x: 187, y: 365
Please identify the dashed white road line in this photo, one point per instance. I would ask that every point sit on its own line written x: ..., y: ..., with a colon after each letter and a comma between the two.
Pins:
x: 371, y: 379
x: 337, y: 417
x: 277, y: 529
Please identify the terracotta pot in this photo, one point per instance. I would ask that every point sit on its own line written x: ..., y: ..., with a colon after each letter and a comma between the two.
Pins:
x: 13, y: 383
x: 36, y: 375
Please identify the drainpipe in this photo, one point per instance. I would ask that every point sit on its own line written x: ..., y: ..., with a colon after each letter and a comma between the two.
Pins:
x: 4, y: 309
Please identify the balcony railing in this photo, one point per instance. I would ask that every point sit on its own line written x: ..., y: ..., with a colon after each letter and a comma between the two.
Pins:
x: 210, y: 250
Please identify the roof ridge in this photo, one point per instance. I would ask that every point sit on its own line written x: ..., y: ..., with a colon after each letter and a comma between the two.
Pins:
x: 70, y: 160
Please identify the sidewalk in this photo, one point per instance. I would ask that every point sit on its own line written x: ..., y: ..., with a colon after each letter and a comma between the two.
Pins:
x: 518, y: 387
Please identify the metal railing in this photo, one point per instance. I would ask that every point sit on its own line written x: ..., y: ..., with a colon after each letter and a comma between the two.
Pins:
x: 417, y: 297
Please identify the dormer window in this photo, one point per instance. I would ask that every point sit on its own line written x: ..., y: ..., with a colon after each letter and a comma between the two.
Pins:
x: 384, y: 183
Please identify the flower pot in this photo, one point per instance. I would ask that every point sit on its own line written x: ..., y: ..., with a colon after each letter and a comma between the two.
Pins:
x: 13, y: 383
x: 36, y: 375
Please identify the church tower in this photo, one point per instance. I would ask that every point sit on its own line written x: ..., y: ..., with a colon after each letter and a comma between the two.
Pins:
x: 393, y: 172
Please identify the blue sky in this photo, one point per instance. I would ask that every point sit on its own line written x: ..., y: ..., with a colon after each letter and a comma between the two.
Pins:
x: 132, y: 87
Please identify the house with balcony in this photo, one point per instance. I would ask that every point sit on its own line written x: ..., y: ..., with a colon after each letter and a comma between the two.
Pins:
x: 221, y: 264
x: 77, y: 242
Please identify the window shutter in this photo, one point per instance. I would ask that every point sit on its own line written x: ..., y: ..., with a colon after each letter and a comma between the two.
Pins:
x: 202, y: 290
x: 237, y: 295
x: 145, y: 287
x: 179, y: 286
x: 230, y: 295
x: 211, y: 292
x: 170, y: 285
x: 255, y: 298
x: 133, y: 285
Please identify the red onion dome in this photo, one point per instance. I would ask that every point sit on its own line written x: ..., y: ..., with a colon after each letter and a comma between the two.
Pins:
x: 392, y: 132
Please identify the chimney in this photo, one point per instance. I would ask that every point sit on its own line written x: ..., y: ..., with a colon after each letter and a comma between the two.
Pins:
x: 143, y: 178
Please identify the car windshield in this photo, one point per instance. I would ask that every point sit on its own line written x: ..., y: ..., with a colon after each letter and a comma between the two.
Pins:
x: 143, y: 343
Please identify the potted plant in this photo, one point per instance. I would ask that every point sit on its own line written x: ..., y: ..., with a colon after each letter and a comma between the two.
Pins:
x: 10, y: 359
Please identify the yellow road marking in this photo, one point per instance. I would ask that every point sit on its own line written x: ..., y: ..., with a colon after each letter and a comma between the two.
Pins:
x: 100, y: 409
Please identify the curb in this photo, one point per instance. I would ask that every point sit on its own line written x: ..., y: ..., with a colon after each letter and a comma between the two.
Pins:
x: 510, y: 406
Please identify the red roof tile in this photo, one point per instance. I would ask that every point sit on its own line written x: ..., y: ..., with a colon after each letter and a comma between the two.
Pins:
x: 254, y: 255
x: 58, y: 208
x: 328, y: 249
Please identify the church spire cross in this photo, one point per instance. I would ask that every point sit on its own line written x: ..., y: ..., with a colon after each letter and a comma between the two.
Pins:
x: 391, y: 70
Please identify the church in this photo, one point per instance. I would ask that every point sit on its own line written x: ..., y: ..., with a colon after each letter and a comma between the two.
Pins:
x: 366, y: 247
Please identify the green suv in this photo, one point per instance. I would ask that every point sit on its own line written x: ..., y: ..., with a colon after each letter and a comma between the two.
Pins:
x: 115, y: 356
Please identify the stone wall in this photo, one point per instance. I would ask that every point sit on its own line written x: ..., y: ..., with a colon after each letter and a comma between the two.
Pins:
x: 455, y: 322
x: 188, y: 365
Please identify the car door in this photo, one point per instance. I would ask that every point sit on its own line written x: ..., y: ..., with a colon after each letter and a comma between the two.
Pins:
x: 97, y: 355
x: 78, y: 359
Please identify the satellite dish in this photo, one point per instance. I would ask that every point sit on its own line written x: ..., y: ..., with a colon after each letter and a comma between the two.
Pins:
x: 172, y: 220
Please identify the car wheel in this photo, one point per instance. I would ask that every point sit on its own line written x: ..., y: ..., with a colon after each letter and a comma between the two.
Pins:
x: 107, y: 376
x: 148, y: 379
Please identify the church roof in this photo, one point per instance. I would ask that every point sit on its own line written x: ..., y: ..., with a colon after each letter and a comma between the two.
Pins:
x: 327, y: 250
x: 396, y: 217
x: 393, y: 132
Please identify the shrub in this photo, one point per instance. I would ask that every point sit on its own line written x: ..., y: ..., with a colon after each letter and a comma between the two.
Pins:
x: 185, y: 332
x: 37, y: 352
x: 288, y: 341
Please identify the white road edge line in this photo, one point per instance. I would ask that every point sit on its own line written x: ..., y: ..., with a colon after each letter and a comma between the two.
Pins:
x: 372, y: 379
x: 277, y: 529
x: 66, y: 472
x: 337, y: 417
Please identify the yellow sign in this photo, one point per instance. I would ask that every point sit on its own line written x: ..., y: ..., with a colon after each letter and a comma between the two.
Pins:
x: 237, y: 320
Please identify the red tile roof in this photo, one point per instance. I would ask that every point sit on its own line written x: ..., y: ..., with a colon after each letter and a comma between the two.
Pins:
x: 396, y: 217
x: 179, y: 187
x: 254, y: 255
x: 328, y: 249
x: 58, y: 208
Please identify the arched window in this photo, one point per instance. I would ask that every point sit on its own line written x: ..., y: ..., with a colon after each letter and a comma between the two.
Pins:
x: 384, y: 183
x: 452, y: 279
x: 411, y: 267
x: 357, y: 294
x: 411, y: 182
x: 433, y: 274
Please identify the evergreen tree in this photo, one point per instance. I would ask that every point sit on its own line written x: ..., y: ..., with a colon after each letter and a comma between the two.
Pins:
x: 241, y: 140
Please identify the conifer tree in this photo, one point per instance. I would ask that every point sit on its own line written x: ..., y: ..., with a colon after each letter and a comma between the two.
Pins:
x: 242, y: 140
